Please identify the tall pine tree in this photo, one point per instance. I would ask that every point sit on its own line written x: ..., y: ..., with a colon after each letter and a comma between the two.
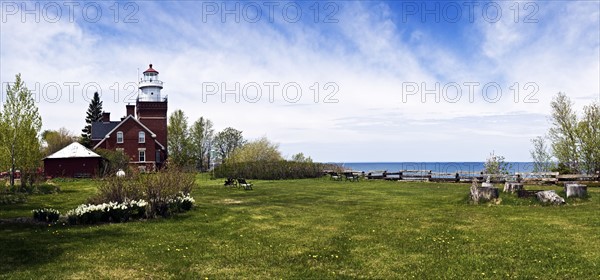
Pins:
x: 94, y: 114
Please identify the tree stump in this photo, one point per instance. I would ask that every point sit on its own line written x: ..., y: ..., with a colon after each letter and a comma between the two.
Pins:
x: 483, y: 194
x: 512, y: 187
x: 549, y: 197
x: 576, y: 190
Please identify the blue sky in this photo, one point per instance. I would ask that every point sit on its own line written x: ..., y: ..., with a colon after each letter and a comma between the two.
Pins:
x: 398, y: 81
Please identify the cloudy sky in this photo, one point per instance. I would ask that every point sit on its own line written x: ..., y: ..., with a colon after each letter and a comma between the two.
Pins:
x: 346, y: 81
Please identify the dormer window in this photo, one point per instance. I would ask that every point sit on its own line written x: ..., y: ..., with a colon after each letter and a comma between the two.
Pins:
x: 119, y: 137
x: 142, y: 137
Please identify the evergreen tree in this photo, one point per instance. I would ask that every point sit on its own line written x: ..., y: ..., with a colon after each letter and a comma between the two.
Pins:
x: 94, y: 114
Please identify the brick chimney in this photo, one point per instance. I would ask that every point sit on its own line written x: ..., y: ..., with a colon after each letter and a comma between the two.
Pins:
x: 130, y: 110
x: 106, y: 116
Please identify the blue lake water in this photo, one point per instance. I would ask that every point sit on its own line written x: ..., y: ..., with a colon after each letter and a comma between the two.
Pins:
x: 449, y: 167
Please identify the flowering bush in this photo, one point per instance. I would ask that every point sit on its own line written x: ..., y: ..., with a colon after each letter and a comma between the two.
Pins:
x: 47, y: 215
x: 107, y: 212
x: 181, y: 203
x: 162, y: 190
x: 17, y: 198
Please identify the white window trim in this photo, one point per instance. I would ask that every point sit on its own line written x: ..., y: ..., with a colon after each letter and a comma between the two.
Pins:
x: 139, y: 155
x: 122, y: 137
x: 140, y: 138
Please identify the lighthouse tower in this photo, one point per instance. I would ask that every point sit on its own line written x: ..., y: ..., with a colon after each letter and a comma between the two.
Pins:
x: 151, y: 107
x: 150, y: 86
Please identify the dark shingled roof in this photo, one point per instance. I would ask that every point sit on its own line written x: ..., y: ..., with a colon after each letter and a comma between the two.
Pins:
x: 100, y: 129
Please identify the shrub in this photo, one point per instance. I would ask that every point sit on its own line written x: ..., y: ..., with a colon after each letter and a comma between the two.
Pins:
x: 47, y: 189
x: 496, y: 165
x: 118, y: 189
x: 31, y: 179
x: 162, y: 187
x: 181, y: 203
x: 47, y: 215
x: 122, y: 212
x: 161, y: 190
x: 113, y: 161
x: 107, y: 212
x: 270, y: 170
x: 37, y: 188
x: 7, y: 199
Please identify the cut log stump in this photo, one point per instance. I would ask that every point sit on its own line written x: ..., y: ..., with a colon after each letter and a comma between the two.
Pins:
x: 483, y: 194
x: 550, y: 197
x: 576, y: 190
x: 512, y: 187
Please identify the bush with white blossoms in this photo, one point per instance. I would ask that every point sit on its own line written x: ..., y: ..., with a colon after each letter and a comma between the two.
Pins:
x: 48, y: 215
x: 181, y: 203
x: 131, y: 209
x: 107, y: 212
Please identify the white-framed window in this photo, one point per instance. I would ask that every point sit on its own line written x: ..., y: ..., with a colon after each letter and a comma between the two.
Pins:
x: 121, y: 150
x: 142, y: 137
x: 142, y: 156
x: 119, y: 137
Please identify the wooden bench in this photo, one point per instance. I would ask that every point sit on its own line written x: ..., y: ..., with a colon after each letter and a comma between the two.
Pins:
x: 230, y: 182
x: 243, y: 184
x: 335, y: 176
x: 351, y: 176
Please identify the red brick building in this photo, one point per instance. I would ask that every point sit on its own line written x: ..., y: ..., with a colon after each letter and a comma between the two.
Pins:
x: 142, y: 133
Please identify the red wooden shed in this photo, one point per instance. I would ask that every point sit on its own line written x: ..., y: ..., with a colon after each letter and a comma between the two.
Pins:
x: 74, y: 160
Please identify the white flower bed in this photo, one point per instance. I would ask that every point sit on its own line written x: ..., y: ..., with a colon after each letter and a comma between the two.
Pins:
x: 107, y: 212
x: 122, y: 212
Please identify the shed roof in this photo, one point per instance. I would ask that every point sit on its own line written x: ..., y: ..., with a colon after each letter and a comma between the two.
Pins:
x: 74, y: 150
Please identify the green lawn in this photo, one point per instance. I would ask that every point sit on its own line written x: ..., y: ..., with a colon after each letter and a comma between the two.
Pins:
x: 313, y: 229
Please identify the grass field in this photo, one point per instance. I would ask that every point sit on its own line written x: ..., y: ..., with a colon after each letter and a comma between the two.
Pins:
x: 313, y: 229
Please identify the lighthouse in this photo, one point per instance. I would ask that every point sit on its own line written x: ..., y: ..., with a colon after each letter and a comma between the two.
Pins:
x: 142, y: 134
x: 151, y: 106
x: 150, y: 86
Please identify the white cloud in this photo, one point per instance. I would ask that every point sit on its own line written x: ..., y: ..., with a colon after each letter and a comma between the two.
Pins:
x: 364, y: 54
